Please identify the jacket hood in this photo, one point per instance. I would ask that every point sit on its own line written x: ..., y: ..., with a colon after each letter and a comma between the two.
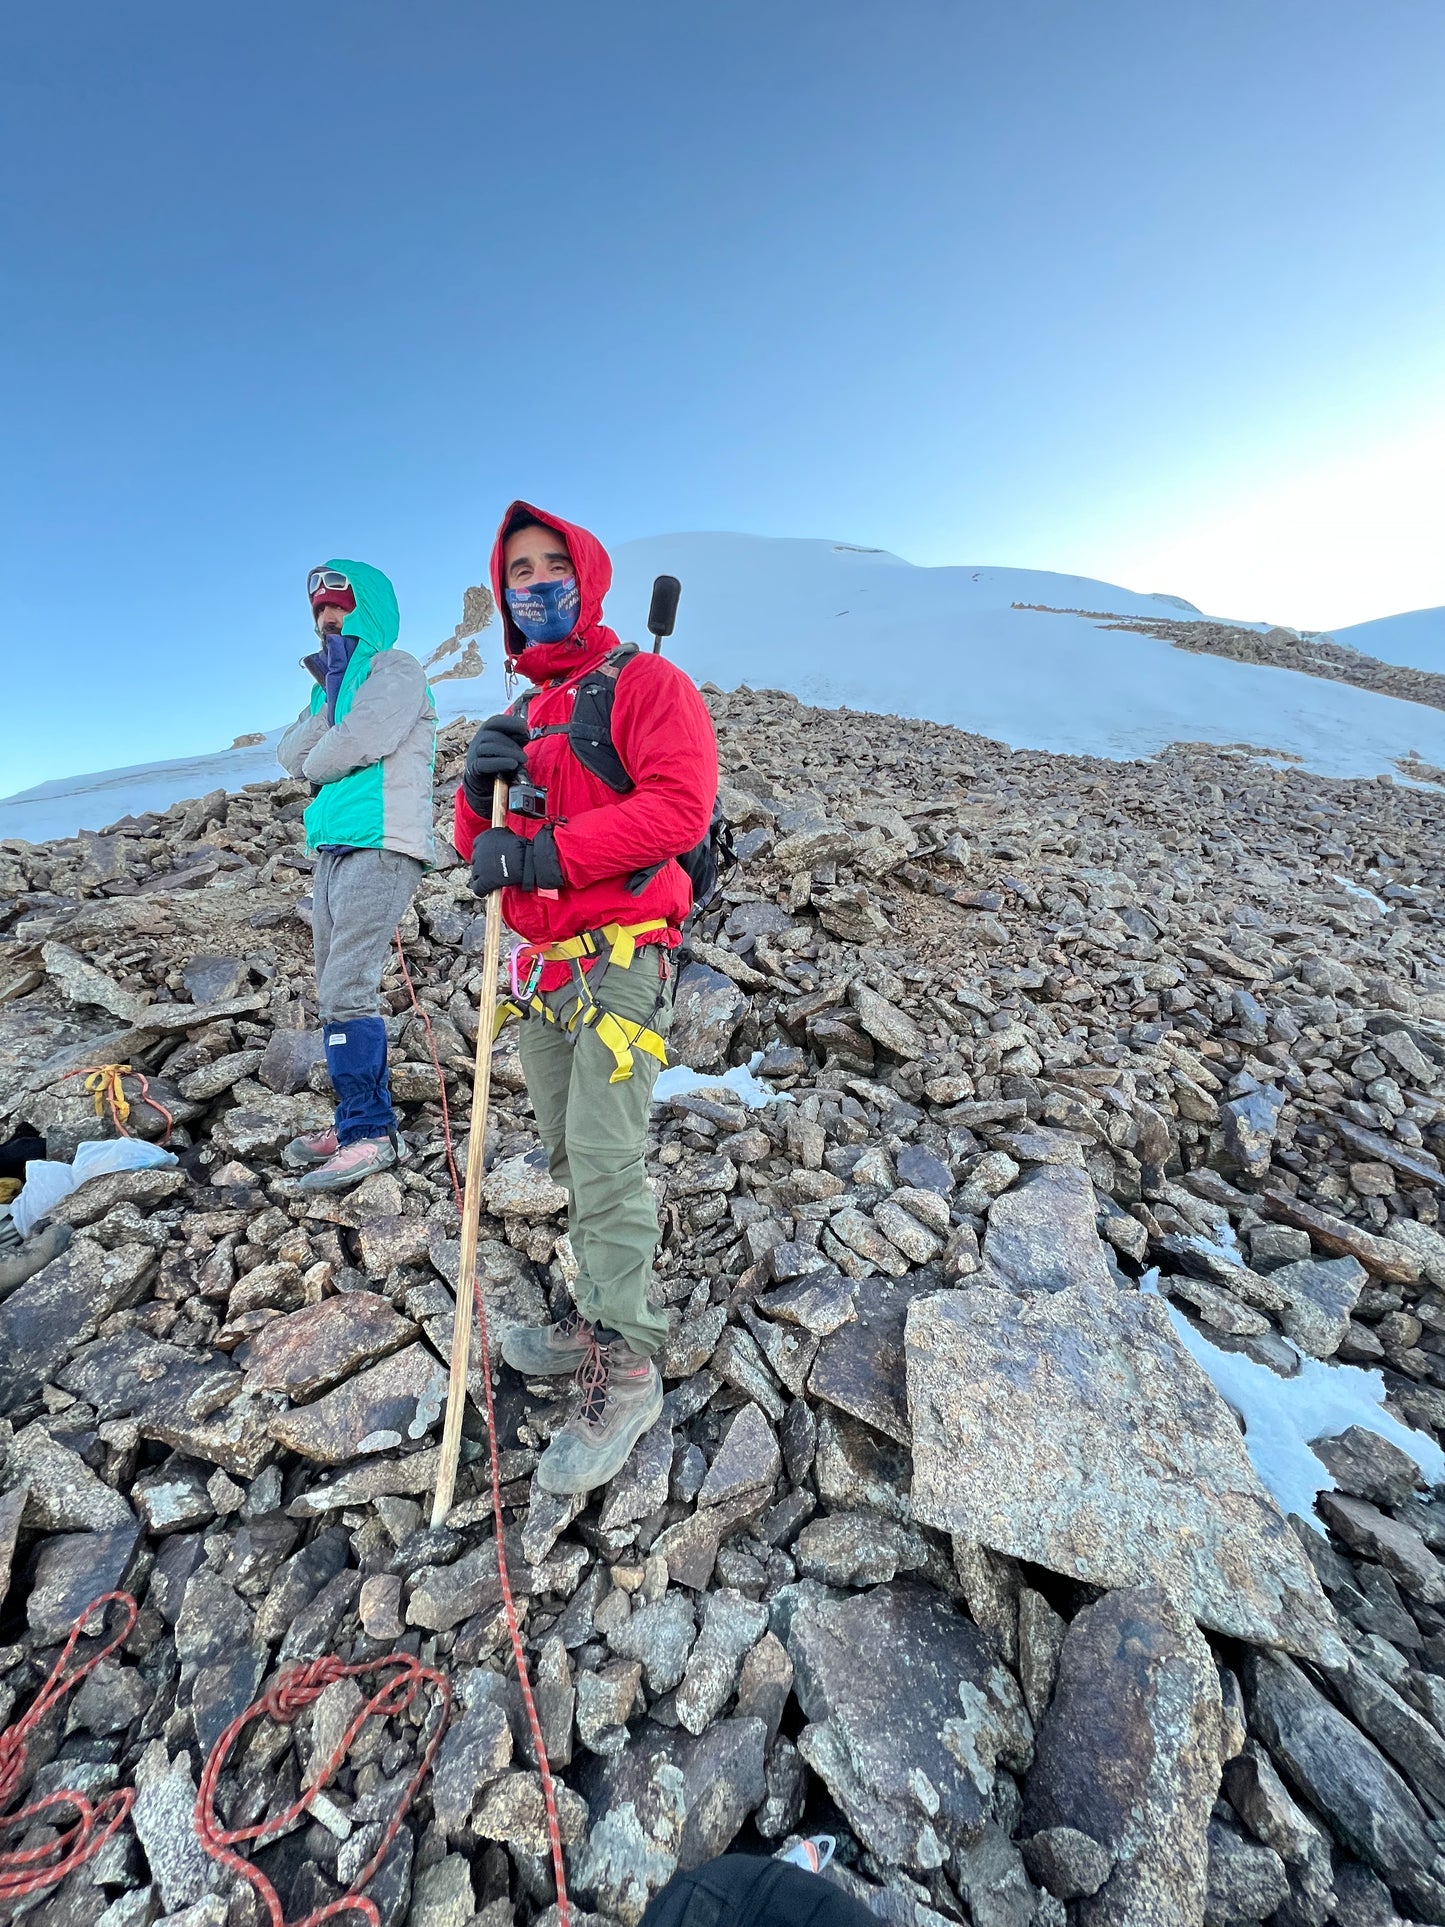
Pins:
x: 591, y: 639
x: 376, y: 620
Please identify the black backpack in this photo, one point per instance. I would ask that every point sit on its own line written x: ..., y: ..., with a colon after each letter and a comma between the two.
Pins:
x: 708, y: 864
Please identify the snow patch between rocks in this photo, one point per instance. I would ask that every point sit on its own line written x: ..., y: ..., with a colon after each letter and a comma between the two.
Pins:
x: 1282, y: 1415
x: 678, y: 1081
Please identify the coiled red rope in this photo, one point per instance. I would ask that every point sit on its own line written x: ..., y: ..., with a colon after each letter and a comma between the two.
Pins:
x: 26, y: 1871
x: 291, y: 1693
x: 514, y: 1631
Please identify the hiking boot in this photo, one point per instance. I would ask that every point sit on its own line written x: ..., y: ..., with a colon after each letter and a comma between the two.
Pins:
x: 621, y: 1397
x: 351, y: 1164
x: 24, y: 1260
x: 303, y: 1152
x: 539, y: 1351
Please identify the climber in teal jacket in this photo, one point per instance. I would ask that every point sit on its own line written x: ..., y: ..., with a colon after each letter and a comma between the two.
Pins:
x: 366, y: 742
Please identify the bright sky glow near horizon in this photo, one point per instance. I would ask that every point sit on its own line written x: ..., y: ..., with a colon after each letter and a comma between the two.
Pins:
x: 1152, y: 294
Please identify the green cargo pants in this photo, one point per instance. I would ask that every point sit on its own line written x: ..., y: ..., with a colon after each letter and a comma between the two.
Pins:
x: 594, y: 1132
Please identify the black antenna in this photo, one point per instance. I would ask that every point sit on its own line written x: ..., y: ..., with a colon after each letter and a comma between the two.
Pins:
x: 663, y: 613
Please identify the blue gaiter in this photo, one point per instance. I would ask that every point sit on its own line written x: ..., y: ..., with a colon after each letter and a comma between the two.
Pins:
x: 356, y: 1060
x: 547, y: 611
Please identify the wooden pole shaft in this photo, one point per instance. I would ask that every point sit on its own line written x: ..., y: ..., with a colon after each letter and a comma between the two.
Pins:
x: 472, y: 1198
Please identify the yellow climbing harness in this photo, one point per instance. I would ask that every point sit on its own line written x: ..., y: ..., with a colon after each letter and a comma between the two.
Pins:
x: 620, y: 1035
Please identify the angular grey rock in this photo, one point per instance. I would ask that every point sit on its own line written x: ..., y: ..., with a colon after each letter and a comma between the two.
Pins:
x: 1066, y: 1863
x: 1410, y: 1740
x: 765, y: 1684
x: 858, y: 1470
x: 1396, y: 1546
x: 477, y: 1747
x: 885, y: 1023
x: 211, y: 978
x: 707, y: 1010
x: 1424, y: 1243
x: 661, y: 1636
x: 668, y: 1801
x: 310, y: 1350
x: 641, y: 1486
x: 390, y: 1404
x: 289, y: 1058
x: 74, y: 1569
x: 92, y: 1201
x: 992, y: 1881
x: 1072, y: 1429
x: 605, y: 1702
x: 909, y: 1715
x: 749, y: 1456
x: 83, y: 983
x: 1249, y: 1124
x: 731, y: 1626
x: 1247, y: 1880
x: 57, y: 1310
x: 857, y: 1549
x: 443, y: 1895
x: 1041, y: 1235
x: 1129, y: 1753
x: 860, y: 1367
x: 1342, y: 1774
x: 523, y: 1187
x: 165, y: 1823
x: 1320, y: 1295
x: 65, y: 1495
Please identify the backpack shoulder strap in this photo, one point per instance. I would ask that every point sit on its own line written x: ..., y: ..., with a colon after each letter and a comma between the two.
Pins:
x: 589, y: 732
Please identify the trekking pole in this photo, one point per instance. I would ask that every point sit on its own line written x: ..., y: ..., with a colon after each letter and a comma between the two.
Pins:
x: 663, y: 613
x: 472, y: 1198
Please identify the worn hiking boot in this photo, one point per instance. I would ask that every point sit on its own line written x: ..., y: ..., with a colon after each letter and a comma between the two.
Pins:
x: 22, y: 1261
x: 621, y: 1397
x: 351, y: 1164
x: 539, y: 1351
x: 304, y: 1152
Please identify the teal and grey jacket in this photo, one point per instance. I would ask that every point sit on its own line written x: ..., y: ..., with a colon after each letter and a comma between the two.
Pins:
x: 373, y: 758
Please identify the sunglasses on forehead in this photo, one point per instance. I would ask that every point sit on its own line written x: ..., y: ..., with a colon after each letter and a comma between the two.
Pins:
x: 320, y: 579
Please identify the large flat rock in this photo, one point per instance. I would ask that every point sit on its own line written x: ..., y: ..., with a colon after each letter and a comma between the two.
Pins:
x: 1073, y: 1430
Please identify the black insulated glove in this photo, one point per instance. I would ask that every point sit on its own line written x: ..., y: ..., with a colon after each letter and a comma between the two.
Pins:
x: 499, y: 748
x: 502, y: 859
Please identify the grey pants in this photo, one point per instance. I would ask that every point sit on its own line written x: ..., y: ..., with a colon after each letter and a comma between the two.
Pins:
x: 358, y: 897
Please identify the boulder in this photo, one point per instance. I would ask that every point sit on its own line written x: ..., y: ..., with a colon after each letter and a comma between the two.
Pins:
x: 1041, y: 1235
x: 707, y: 1010
x: 909, y: 1714
x: 1130, y: 1753
x: 1072, y: 1429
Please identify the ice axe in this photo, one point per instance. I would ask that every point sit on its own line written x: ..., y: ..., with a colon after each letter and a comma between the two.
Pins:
x: 467, y: 1293
x: 663, y: 613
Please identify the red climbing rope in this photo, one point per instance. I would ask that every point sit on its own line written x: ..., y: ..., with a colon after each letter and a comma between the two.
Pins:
x: 26, y: 1871
x: 291, y: 1693
x: 539, y: 1745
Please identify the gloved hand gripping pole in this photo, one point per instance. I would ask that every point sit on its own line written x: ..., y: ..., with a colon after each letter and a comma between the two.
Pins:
x: 472, y: 1198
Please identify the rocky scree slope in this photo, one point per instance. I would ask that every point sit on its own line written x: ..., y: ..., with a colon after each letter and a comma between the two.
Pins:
x: 943, y: 1543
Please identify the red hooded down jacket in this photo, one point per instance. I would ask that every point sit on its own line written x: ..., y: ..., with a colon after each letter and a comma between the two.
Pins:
x: 665, y: 737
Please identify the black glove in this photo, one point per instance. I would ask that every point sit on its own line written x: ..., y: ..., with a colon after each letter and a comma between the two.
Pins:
x: 503, y: 858
x: 499, y: 748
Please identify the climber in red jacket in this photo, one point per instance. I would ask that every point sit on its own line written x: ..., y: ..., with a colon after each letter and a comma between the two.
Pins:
x: 587, y: 866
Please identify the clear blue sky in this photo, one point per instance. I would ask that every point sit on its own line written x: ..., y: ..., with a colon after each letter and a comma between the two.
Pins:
x: 1005, y: 283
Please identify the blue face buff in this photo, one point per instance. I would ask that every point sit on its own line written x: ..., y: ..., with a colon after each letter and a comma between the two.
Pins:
x: 546, y: 611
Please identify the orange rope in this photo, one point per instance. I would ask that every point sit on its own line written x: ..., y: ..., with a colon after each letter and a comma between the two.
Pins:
x: 103, y: 1083
x: 33, y: 1870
